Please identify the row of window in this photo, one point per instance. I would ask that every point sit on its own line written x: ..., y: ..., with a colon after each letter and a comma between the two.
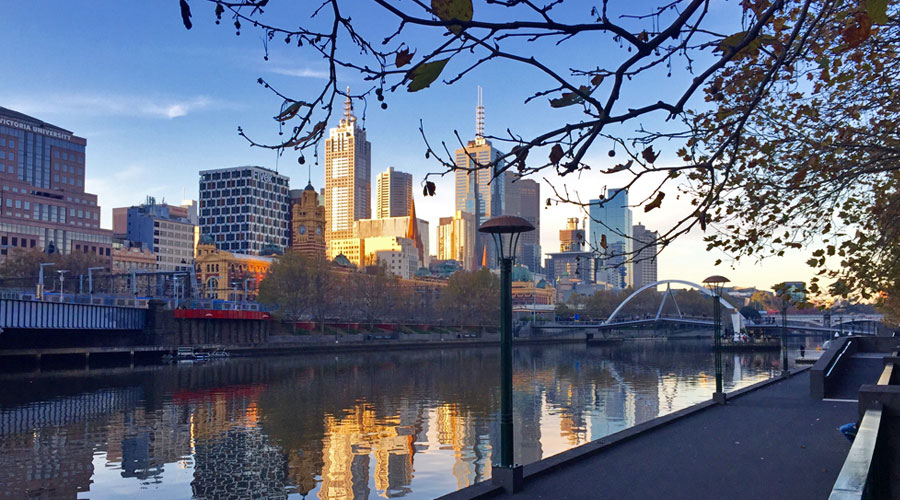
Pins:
x: 7, y: 143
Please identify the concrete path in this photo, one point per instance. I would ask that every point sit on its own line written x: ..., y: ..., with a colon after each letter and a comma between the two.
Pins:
x: 776, y: 442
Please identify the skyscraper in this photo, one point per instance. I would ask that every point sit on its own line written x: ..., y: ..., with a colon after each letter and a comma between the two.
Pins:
x: 394, y: 194
x: 348, y: 178
x: 478, y: 192
x: 529, y: 208
x: 611, y: 224
x: 43, y: 203
x: 645, y: 257
x: 244, y: 209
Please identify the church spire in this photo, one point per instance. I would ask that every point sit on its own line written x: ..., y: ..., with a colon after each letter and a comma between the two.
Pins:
x: 412, y: 231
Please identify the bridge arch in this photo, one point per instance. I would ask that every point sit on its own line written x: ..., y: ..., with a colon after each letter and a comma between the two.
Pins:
x: 663, y: 282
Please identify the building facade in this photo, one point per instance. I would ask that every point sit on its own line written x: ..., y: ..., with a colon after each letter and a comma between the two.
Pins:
x: 128, y: 256
x: 43, y: 203
x: 394, y: 194
x: 571, y: 238
x: 244, y: 209
x: 398, y: 227
x: 164, y: 230
x: 529, y: 208
x: 225, y: 275
x: 456, y: 239
x: 308, y: 223
x: 611, y: 224
x: 645, y: 241
x: 348, y: 178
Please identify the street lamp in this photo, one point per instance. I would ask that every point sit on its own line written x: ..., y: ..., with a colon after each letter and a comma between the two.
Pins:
x: 245, y: 286
x: 783, y: 293
x: 62, y: 280
x: 505, y: 231
x: 40, y: 287
x: 91, y: 280
x: 715, y: 284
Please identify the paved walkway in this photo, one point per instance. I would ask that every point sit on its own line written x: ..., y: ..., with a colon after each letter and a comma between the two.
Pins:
x: 776, y: 442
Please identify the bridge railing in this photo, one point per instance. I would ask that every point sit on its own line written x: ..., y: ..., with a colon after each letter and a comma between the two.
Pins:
x: 39, y: 315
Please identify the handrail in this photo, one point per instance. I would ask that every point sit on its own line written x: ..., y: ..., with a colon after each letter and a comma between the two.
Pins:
x: 854, y: 475
x: 837, y: 358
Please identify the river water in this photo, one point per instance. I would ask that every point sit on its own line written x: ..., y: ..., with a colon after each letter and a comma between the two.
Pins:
x: 413, y: 424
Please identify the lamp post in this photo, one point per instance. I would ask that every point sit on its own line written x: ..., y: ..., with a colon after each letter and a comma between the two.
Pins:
x: 62, y: 280
x: 40, y: 286
x: 245, y: 286
x: 505, y: 231
x: 715, y: 284
x: 785, y: 300
x: 91, y: 280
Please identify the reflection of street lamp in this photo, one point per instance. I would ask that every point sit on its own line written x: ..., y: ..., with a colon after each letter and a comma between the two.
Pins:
x: 715, y: 284
x: 505, y: 232
x: 40, y: 287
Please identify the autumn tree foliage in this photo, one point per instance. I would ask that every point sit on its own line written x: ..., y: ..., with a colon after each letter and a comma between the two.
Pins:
x: 779, y: 124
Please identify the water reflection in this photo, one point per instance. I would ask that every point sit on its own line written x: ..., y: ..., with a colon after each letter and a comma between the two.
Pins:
x: 386, y: 424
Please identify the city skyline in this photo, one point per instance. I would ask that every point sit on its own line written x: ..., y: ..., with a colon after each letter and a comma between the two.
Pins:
x: 168, y: 98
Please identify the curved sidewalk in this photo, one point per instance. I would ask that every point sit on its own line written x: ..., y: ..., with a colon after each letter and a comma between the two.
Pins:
x: 773, y: 442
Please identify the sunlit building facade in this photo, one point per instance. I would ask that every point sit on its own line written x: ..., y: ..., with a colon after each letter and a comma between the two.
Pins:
x: 43, y: 203
x: 394, y: 194
x: 456, y: 239
x: 348, y: 178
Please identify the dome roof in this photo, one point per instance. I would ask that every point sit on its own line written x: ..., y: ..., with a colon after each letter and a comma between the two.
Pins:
x: 206, y: 239
x: 342, y: 260
x: 270, y: 249
x: 521, y: 273
x: 309, y: 187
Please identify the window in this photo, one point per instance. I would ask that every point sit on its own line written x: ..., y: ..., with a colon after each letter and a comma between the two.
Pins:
x: 12, y: 156
x: 12, y: 143
x: 18, y: 203
x: 56, y: 155
x: 27, y: 205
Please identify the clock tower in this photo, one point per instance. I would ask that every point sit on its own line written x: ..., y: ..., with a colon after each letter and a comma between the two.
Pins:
x: 308, y: 223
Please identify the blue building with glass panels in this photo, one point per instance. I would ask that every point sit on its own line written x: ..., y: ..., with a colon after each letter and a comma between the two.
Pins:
x: 611, y: 218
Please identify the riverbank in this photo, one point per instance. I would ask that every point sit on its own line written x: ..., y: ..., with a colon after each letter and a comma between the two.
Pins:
x: 772, y: 440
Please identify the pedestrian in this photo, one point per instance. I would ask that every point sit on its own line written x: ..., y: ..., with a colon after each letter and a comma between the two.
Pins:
x: 802, y: 350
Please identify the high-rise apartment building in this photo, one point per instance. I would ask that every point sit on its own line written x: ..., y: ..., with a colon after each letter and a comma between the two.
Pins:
x: 645, y: 242
x: 456, y: 239
x: 162, y: 229
x: 42, y: 202
x: 394, y: 194
x: 611, y: 224
x: 244, y: 209
x: 348, y: 178
x: 480, y: 183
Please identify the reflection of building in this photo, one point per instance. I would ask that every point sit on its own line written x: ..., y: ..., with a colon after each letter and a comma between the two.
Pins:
x: 233, y: 458
x: 223, y: 274
x: 394, y: 194
x: 43, y: 203
x: 350, y: 440
x: 456, y: 239
x: 348, y: 178
x: 611, y: 221
x: 308, y: 223
x: 244, y: 209
x: 645, y: 258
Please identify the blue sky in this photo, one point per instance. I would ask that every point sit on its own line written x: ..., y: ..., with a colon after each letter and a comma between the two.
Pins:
x: 158, y: 103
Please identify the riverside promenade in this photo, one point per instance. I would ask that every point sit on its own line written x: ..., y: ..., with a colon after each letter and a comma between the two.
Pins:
x: 772, y: 440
